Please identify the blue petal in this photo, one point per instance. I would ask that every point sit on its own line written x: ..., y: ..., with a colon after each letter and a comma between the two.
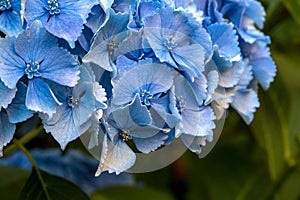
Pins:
x: 12, y: 67
x: 96, y: 18
x: 224, y: 36
x: 40, y: 98
x: 245, y: 103
x: 66, y: 26
x: 10, y: 23
x: 33, y: 44
x: 79, y: 7
x: 229, y: 76
x: 116, y: 157
x: 256, y: 12
x: 35, y: 10
x: 149, y: 144
x: 86, y: 107
x: 194, y: 143
x: 17, y: 111
x: 7, y: 131
x: 62, y: 126
x: 158, y: 77
x: 60, y: 66
x: 6, y: 95
x: 212, y: 84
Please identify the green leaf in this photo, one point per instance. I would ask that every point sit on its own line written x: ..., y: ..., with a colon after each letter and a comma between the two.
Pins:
x: 129, y: 192
x: 12, y: 181
x: 293, y: 6
x: 52, y: 187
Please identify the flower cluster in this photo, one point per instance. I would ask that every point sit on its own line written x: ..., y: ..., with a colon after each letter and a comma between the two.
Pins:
x: 135, y: 75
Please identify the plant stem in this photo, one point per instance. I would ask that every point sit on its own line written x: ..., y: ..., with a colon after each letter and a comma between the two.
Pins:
x: 34, y: 164
x: 24, y: 140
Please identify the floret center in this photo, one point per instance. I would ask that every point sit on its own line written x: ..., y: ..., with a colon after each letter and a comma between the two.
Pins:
x: 146, y: 96
x: 73, y: 101
x: 180, y: 104
x: 53, y: 7
x: 169, y: 42
x: 5, y: 5
x: 32, y: 69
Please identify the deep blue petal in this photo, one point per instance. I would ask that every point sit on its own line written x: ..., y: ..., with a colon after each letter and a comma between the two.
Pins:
x: 10, y: 23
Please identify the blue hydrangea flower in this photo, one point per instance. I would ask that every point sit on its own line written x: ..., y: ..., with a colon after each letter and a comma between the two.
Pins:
x: 35, y: 57
x: 78, y: 105
x: 149, y: 80
x: 130, y: 122
x: 14, y: 113
x: 62, y: 18
x: 107, y: 40
x: 10, y: 17
x: 178, y: 40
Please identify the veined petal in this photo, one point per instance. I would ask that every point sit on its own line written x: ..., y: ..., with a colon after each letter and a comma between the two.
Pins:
x: 66, y: 26
x: 60, y: 66
x: 12, y: 67
x: 33, y: 44
x: 35, y: 10
x: 10, y: 23
x: 40, y: 98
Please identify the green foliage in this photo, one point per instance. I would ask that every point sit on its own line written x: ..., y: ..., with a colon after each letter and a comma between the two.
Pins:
x: 42, y: 185
x: 12, y: 181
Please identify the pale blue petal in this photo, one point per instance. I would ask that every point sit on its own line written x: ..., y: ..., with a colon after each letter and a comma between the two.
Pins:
x: 86, y: 107
x: 149, y: 144
x: 212, y: 84
x: 245, y: 103
x: 230, y: 76
x: 17, y: 111
x: 6, y: 95
x: 116, y: 157
x: 194, y: 143
x: 7, y: 131
x: 40, y: 98
x: 62, y: 126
